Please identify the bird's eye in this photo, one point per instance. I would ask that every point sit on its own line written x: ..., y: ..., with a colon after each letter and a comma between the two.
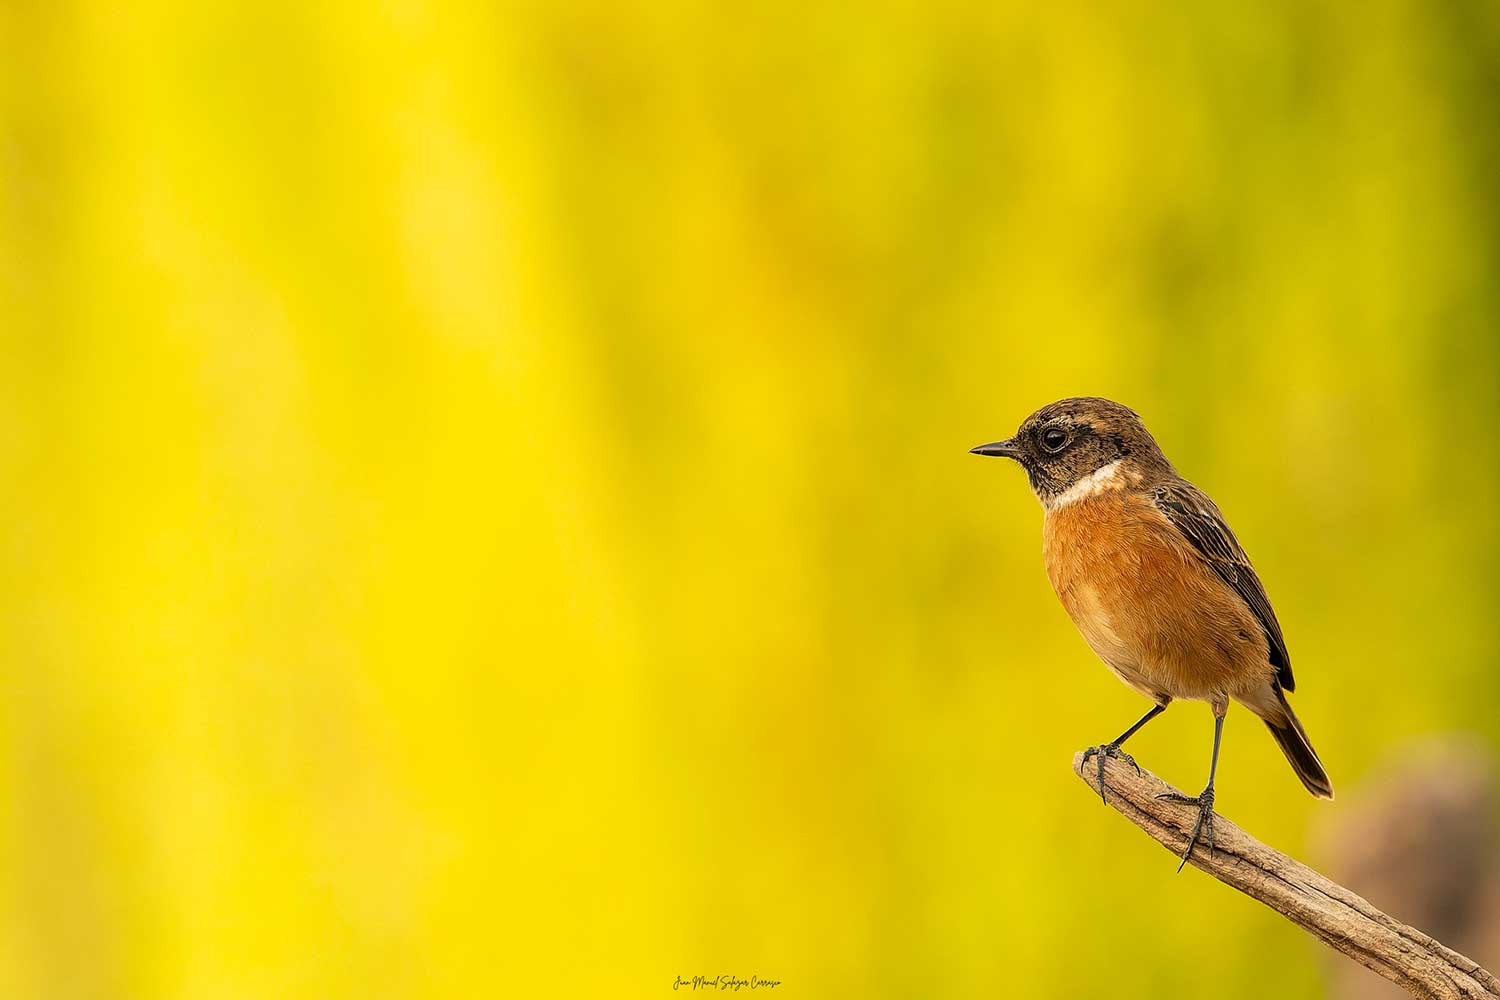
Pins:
x: 1053, y: 438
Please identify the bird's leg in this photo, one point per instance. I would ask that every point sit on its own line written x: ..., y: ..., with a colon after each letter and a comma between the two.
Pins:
x: 1112, y: 748
x: 1204, y: 800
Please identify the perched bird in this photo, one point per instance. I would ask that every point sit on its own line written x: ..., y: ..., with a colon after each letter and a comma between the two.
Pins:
x: 1159, y: 586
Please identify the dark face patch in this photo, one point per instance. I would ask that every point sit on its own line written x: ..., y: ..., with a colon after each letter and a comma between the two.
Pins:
x: 1065, y: 441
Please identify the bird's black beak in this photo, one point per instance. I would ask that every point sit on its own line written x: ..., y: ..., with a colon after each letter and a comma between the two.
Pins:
x: 1005, y: 449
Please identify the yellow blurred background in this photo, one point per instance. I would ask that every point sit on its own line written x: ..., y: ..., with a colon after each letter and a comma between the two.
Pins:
x: 486, y: 509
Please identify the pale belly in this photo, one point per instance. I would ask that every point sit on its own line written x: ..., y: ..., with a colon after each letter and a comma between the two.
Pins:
x: 1097, y: 625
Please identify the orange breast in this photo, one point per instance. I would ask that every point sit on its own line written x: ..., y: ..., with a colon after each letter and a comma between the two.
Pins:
x: 1147, y: 603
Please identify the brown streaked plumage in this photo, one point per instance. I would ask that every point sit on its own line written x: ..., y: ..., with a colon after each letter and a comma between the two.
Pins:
x: 1156, y: 581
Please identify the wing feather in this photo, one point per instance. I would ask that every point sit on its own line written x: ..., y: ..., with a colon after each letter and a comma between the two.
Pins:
x: 1195, y: 515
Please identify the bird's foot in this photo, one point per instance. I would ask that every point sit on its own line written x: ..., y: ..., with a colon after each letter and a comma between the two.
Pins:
x: 1108, y: 750
x: 1204, y: 824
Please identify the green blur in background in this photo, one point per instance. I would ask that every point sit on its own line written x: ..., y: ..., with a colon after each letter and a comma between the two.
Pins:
x: 486, y: 509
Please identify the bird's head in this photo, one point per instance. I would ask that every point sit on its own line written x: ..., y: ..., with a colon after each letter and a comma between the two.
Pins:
x: 1078, y: 446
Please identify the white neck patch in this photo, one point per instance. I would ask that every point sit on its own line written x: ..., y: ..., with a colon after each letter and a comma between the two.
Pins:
x: 1101, y: 479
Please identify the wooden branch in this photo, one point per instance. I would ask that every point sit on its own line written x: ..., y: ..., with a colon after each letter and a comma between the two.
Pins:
x: 1320, y: 906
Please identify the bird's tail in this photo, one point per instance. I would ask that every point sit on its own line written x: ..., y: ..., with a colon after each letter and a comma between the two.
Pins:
x: 1292, y: 738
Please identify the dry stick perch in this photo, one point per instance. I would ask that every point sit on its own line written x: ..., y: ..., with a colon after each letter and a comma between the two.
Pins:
x: 1327, y: 910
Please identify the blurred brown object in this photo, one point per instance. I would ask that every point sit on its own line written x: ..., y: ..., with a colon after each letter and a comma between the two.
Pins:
x: 1420, y: 840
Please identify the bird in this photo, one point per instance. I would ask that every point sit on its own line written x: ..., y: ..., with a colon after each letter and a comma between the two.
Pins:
x: 1156, y: 581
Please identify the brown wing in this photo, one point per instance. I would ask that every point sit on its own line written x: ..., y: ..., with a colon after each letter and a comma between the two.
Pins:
x: 1194, y: 514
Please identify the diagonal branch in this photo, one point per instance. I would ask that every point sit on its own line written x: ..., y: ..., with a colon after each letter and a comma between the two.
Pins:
x: 1318, y: 905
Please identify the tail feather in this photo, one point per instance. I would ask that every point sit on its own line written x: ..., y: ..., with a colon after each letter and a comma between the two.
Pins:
x: 1293, y: 741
